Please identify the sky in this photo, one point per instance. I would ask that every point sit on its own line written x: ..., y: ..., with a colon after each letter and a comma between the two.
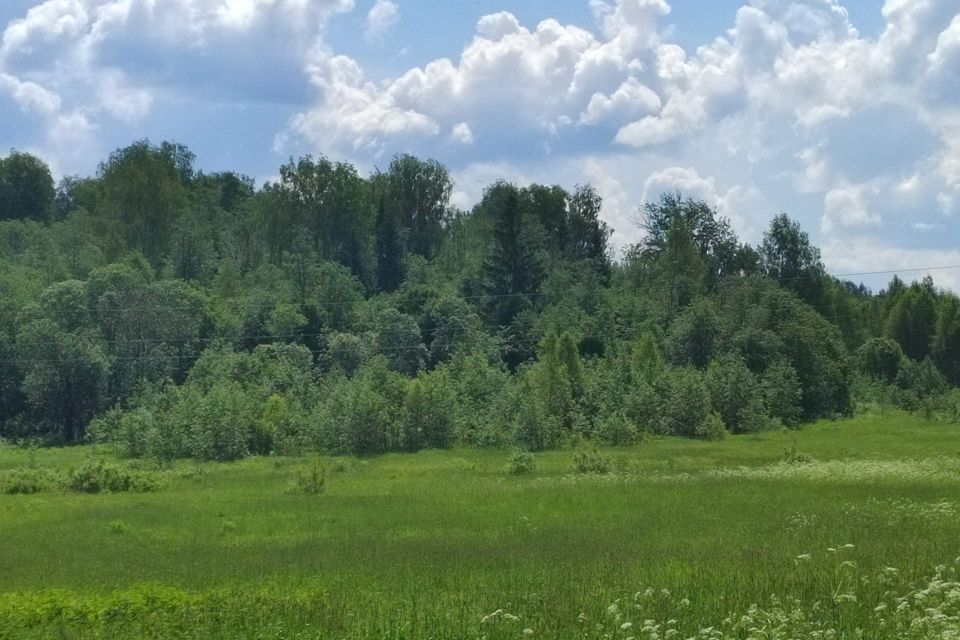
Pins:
x: 844, y: 114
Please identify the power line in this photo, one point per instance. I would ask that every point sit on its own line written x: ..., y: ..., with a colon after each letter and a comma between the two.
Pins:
x: 880, y: 273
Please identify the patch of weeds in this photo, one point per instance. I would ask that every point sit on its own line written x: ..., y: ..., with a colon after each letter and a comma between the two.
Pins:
x: 793, y: 455
x: 522, y: 462
x: 312, y: 480
x: 592, y: 462
x: 29, y: 481
x: 118, y: 527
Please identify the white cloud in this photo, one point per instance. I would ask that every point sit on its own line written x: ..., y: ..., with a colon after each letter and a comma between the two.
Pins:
x: 462, y: 133
x: 847, y: 206
x: 86, y: 64
x: 497, y: 26
x: 29, y: 96
x: 121, y: 100
x: 382, y: 17
x: 508, y: 79
x: 631, y: 99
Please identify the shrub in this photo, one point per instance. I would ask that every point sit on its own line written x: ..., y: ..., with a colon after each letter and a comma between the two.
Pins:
x: 753, y: 417
x: 782, y: 392
x: 591, y: 462
x: 29, y: 481
x: 522, y: 462
x: 617, y: 430
x: 272, y: 419
x: 712, y: 428
x: 96, y: 476
x: 687, y: 404
x: 881, y: 358
x: 428, y: 406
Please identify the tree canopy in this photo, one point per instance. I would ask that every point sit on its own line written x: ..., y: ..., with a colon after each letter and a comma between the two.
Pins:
x: 178, y: 313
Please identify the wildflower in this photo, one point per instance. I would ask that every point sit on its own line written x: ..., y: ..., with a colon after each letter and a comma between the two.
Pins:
x: 490, y: 616
x: 528, y: 631
x: 625, y: 626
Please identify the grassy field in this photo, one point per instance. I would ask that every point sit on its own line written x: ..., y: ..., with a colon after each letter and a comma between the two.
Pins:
x: 843, y: 530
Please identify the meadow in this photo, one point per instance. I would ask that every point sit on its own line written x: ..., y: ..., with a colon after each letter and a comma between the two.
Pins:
x: 845, y: 529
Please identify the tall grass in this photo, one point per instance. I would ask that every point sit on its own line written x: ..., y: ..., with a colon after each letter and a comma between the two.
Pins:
x: 728, y: 536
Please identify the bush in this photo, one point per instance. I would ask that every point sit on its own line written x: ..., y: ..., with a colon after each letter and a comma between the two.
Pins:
x: 617, y: 430
x: 522, y: 462
x: 687, y: 404
x: 96, y: 476
x: 29, y: 481
x: 735, y: 395
x: 712, y: 428
x: 881, y: 358
x: 591, y: 462
x: 782, y: 392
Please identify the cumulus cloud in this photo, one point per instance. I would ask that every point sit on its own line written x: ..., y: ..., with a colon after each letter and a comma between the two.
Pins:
x: 109, y: 61
x: 788, y: 108
x: 29, y: 96
x: 847, y: 206
x: 382, y: 17
x: 513, y: 79
x: 462, y: 133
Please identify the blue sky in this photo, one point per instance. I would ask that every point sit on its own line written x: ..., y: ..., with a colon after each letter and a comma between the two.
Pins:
x: 843, y: 113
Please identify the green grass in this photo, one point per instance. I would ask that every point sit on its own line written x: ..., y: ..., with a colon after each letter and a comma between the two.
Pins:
x: 427, y: 545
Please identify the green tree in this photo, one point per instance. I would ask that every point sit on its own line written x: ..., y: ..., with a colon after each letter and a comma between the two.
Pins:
x: 734, y: 391
x: 145, y: 191
x: 26, y: 187
x: 588, y: 233
x: 694, y: 335
x: 419, y: 192
x: 390, y: 267
x: 789, y: 258
x: 946, y: 339
x: 881, y: 358
x: 710, y: 235
x: 65, y: 365
x: 913, y: 318
x: 400, y: 342
x: 512, y: 271
x: 330, y: 202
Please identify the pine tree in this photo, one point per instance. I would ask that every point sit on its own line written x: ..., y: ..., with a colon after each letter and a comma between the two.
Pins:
x: 512, y: 270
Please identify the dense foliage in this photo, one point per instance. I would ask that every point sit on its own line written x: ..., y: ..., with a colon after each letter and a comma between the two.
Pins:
x: 183, y: 314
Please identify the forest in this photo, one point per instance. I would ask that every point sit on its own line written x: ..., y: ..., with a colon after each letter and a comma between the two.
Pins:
x: 181, y: 314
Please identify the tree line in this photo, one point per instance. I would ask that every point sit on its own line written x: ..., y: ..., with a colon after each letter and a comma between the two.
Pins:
x: 184, y: 314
